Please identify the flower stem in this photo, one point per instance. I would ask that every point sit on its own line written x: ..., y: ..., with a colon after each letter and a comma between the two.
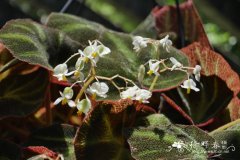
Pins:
x: 86, y: 84
x: 71, y: 57
x: 153, y: 83
x: 225, y: 126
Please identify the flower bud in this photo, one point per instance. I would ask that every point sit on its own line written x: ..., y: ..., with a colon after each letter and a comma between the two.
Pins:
x: 141, y: 73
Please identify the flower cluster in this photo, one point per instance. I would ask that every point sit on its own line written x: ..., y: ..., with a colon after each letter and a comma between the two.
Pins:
x: 140, y: 43
x: 154, y: 65
x: 91, y: 54
x: 135, y: 93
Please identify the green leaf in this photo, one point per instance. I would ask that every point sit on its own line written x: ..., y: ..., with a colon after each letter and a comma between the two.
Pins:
x: 40, y: 45
x: 21, y: 95
x: 122, y: 60
x: 9, y: 151
x: 58, y: 138
x: 229, y: 138
x: 155, y: 137
x: 35, y: 44
x: 101, y: 134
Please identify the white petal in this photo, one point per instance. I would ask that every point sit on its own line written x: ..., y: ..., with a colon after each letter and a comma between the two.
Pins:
x: 62, y: 95
x: 197, y: 69
x: 100, y: 88
x: 60, y: 69
x: 174, y: 61
x: 197, y: 77
x: 89, y: 50
x: 104, y: 87
x: 143, y: 95
x: 195, y: 89
x: 102, y: 95
x: 68, y: 92
x: 103, y: 50
x: 139, y: 42
x: 192, y: 83
x: 129, y: 93
x: 79, y: 64
x: 84, y: 105
x: 71, y: 103
x: 58, y: 100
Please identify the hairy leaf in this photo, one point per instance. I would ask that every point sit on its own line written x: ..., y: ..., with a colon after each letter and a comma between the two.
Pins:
x: 36, y: 44
x: 101, y: 135
x: 218, y: 86
x: 19, y: 95
x: 228, y: 142
x: 155, y: 138
x: 38, y: 151
x: 214, y: 64
x: 122, y: 60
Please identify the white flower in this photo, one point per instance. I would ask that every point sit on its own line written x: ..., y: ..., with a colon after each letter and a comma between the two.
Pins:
x: 153, y: 67
x: 143, y: 95
x: 94, y: 51
x: 129, y: 93
x: 166, y: 42
x: 136, y: 93
x: 61, y: 71
x: 98, y: 88
x: 196, y: 72
x: 78, y: 68
x: 175, y: 63
x: 66, y: 97
x: 139, y: 43
x: 189, y: 84
x: 84, y: 106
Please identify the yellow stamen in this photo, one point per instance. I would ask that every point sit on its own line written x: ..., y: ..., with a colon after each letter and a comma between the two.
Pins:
x: 150, y: 72
x: 86, y: 59
x: 188, y: 90
x: 64, y: 78
x: 94, y: 96
x: 76, y: 74
x: 64, y: 101
x: 79, y: 113
x: 94, y: 54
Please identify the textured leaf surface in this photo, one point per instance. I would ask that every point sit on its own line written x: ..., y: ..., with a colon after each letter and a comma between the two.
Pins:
x: 201, y: 106
x: 36, y: 44
x: 230, y: 138
x: 19, y: 95
x: 123, y: 60
x: 214, y: 64
x: 9, y: 151
x: 58, y: 138
x: 219, y: 85
x: 154, y: 140
x: 101, y: 135
x: 37, y: 151
x: 166, y: 21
